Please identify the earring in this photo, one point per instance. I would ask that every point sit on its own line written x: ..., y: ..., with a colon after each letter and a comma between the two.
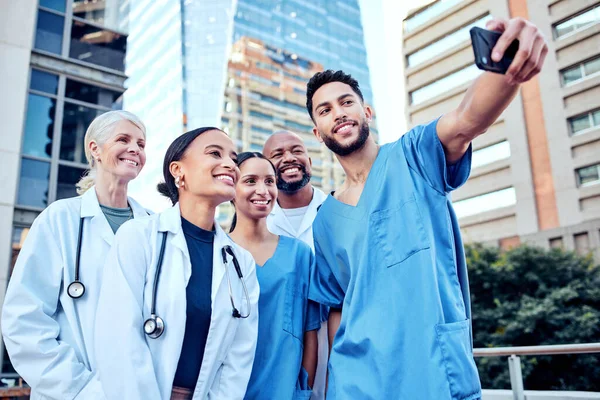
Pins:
x: 179, y: 182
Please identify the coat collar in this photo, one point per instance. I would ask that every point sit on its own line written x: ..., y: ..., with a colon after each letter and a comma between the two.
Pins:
x: 170, y: 221
x: 90, y: 207
x: 282, y: 222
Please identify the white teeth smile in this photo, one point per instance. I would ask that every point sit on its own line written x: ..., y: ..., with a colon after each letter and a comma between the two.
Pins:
x: 291, y: 170
x: 225, y: 177
x: 344, y: 129
x: 130, y: 162
x: 262, y: 202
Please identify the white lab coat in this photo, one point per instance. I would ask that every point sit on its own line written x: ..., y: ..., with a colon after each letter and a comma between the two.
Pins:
x: 134, y: 366
x: 278, y: 224
x: 49, y: 336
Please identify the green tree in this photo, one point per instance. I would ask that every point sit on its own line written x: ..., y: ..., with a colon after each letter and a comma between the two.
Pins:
x: 529, y: 296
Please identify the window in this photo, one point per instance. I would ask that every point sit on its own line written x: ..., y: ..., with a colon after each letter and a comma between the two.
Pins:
x: 91, y: 94
x: 298, y: 127
x: 34, y: 183
x: 260, y: 130
x: 67, y: 178
x: 78, y: 105
x: 76, y: 120
x: 110, y: 14
x: 260, y: 115
x: 444, y: 84
x: 580, y: 21
x: 58, y: 5
x: 485, y: 202
x: 445, y: 43
x: 580, y: 71
x: 435, y: 9
x: 39, y: 126
x: 97, y: 46
x: 43, y: 82
x: 582, y: 243
x: 588, y: 175
x: 95, y: 42
x: 49, y: 32
x: 556, y: 243
x: 581, y: 123
x: 488, y: 155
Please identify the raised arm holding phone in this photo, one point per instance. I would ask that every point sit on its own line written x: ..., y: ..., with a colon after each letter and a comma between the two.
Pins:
x: 389, y: 255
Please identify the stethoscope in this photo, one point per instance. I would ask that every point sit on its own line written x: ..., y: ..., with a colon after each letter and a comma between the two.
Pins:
x: 76, y: 289
x: 155, y: 325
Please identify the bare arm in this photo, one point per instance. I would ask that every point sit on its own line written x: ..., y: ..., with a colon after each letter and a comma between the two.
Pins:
x: 333, y: 324
x: 491, y: 93
x: 310, y: 356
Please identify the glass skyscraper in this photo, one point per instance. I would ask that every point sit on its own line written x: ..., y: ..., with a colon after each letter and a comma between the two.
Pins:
x: 325, y: 31
x: 185, y: 71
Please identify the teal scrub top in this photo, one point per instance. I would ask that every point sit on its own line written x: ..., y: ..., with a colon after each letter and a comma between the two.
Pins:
x: 285, y: 313
x: 395, y: 265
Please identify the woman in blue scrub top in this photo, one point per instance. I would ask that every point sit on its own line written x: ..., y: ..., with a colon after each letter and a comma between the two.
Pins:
x: 286, y: 354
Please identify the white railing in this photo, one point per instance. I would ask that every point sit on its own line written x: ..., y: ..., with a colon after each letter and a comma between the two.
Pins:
x: 514, y: 361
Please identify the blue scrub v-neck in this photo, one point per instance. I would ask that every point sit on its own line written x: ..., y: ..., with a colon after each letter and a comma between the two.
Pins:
x: 395, y: 266
x: 285, y: 314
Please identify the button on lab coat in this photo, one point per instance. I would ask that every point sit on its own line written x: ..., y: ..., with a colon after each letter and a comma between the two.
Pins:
x: 134, y: 366
x: 48, y: 335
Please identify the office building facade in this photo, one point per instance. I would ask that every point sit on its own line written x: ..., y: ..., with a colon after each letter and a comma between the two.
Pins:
x: 536, y: 172
x: 202, y: 40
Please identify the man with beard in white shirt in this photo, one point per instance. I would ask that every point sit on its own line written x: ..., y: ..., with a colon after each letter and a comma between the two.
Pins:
x: 293, y: 215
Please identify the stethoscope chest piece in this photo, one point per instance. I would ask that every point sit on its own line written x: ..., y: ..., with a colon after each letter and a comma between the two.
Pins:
x: 75, y: 289
x: 154, y: 326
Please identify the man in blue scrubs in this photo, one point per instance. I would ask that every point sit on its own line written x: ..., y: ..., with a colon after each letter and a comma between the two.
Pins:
x: 389, y: 255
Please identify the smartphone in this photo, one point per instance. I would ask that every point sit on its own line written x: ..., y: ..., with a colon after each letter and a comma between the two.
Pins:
x: 483, y: 41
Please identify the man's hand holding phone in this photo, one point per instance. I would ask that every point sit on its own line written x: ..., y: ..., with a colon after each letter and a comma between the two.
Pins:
x: 528, y: 53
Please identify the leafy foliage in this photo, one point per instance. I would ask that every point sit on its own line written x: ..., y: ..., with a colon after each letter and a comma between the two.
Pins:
x: 529, y: 296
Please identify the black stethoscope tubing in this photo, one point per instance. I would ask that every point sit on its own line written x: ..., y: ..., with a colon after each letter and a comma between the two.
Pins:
x: 154, y: 326
x: 76, y: 289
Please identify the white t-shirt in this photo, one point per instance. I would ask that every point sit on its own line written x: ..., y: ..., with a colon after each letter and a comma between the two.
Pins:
x: 295, y: 216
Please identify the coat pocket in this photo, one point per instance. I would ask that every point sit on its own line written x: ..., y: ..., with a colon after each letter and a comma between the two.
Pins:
x: 397, y: 233
x: 457, y: 356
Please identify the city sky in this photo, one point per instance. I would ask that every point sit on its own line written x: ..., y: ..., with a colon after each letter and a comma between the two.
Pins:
x: 382, y: 24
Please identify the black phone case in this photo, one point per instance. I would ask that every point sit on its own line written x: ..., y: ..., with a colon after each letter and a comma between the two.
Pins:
x: 483, y: 41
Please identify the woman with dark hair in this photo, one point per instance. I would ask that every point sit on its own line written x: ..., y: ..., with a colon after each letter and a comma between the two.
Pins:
x: 286, y: 355
x: 180, y: 296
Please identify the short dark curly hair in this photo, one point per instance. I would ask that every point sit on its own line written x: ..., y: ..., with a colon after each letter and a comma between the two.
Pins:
x: 321, y: 78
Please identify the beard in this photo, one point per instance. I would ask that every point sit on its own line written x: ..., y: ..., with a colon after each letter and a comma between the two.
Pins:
x: 341, y: 150
x: 292, y: 187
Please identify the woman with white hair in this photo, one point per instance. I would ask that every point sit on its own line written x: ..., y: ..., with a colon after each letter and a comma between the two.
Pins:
x: 50, y: 305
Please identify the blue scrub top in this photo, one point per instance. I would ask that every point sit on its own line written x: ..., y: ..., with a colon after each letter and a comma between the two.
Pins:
x: 395, y: 266
x: 285, y: 313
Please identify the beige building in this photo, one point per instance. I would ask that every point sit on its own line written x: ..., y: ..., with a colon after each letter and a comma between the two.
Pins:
x: 536, y: 172
x: 266, y: 92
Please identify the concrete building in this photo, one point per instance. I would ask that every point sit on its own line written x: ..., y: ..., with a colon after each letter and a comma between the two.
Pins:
x: 536, y: 172
x: 266, y: 92
x: 63, y: 63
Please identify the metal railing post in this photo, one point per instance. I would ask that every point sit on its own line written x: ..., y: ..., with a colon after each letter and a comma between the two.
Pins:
x: 516, y: 378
